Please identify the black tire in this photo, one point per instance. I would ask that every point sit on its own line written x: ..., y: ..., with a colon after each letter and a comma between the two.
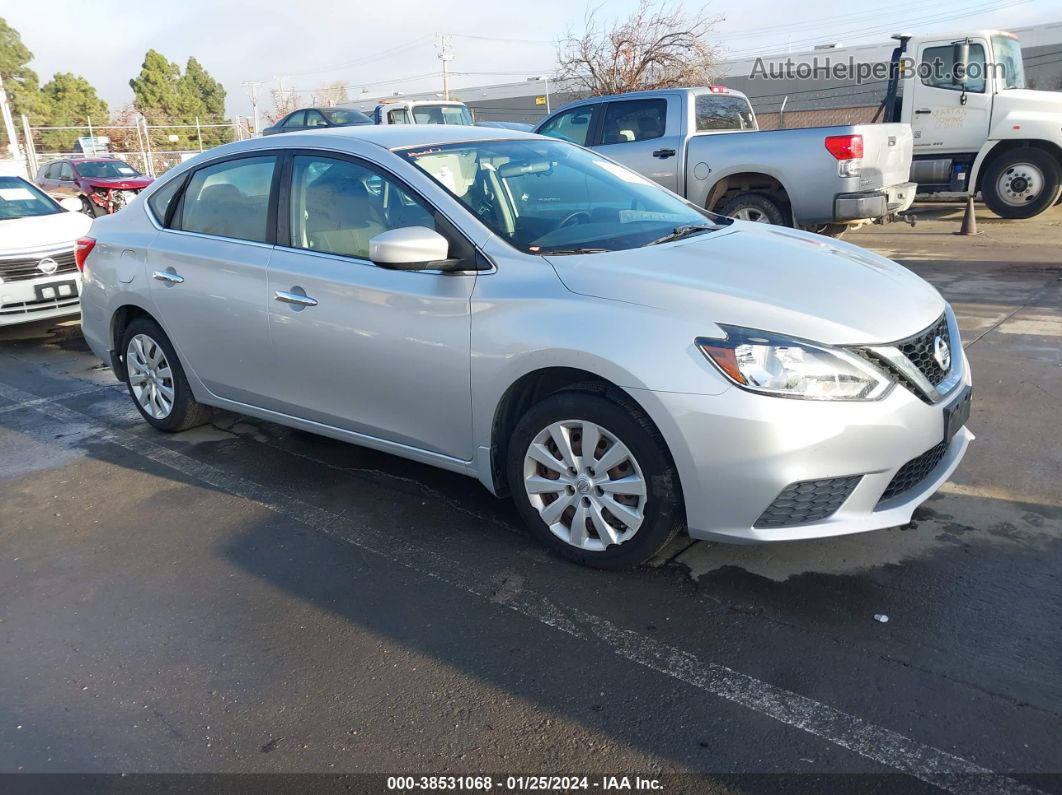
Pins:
x: 663, y: 514
x: 87, y: 207
x: 757, y: 203
x: 1010, y: 163
x: 186, y: 412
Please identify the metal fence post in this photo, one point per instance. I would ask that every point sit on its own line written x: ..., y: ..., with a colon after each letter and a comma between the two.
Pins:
x: 199, y: 133
x: 781, y: 113
x: 9, y: 123
x: 31, y: 148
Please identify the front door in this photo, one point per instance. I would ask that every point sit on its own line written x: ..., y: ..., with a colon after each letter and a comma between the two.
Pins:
x: 208, y: 277
x: 939, y: 119
x: 380, y: 352
x: 635, y: 133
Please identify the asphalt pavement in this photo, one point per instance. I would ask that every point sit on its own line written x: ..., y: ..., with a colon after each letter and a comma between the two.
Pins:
x: 244, y: 597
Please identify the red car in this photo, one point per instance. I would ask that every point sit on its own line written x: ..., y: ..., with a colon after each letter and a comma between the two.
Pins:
x: 103, y: 184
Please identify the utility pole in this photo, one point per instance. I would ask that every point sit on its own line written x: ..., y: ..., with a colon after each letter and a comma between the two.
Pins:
x: 252, y: 85
x: 446, y: 54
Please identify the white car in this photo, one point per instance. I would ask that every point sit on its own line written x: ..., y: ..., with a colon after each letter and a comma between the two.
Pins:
x: 39, y: 279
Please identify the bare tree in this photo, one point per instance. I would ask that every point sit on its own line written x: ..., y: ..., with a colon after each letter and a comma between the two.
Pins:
x: 284, y: 102
x: 659, y: 45
x: 331, y: 95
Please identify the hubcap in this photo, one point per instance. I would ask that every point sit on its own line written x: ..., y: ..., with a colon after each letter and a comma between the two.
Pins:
x: 150, y: 376
x: 585, y: 484
x: 1020, y: 184
x: 751, y: 214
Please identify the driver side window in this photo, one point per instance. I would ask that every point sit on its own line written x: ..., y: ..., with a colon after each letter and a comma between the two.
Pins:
x: 338, y: 206
x: 571, y: 125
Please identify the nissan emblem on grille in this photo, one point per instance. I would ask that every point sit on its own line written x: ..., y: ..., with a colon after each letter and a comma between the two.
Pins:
x: 941, y: 353
x: 48, y: 266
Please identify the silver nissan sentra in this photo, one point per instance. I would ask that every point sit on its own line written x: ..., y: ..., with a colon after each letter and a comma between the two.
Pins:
x: 534, y: 315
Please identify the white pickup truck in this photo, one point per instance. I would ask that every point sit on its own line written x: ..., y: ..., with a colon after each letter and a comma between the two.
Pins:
x: 704, y: 144
x: 421, y: 111
x: 978, y: 128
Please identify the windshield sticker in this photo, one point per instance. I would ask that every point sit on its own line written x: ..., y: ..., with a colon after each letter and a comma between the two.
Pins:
x: 16, y: 195
x: 619, y: 171
x: 126, y: 170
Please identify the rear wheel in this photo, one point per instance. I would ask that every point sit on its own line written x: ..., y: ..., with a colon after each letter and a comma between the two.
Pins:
x: 1021, y: 183
x: 593, y: 480
x: 156, y: 380
x: 756, y: 207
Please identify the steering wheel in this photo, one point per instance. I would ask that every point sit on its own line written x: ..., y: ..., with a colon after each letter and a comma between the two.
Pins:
x: 574, y: 218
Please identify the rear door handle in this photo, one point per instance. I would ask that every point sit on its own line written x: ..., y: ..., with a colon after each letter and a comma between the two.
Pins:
x: 922, y: 110
x: 168, y: 276
x: 663, y: 154
x: 298, y: 299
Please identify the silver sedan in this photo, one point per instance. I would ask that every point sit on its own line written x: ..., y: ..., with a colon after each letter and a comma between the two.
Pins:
x: 532, y: 314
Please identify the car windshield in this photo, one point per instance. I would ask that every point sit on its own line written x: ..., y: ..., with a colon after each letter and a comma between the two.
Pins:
x: 345, y: 116
x: 1008, y: 55
x: 441, y: 114
x: 551, y: 197
x: 106, y: 169
x: 20, y: 199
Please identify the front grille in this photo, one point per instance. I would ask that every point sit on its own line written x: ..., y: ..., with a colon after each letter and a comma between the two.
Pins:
x: 914, y: 472
x: 919, y: 349
x: 807, y: 501
x: 14, y: 270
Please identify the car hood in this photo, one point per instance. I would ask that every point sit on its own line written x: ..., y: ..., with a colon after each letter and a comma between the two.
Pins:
x: 117, y: 183
x: 768, y: 278
x: 41, y: 232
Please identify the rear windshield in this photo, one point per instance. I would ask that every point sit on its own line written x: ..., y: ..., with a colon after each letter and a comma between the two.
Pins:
x: 722, y: 112
x: 20, y: 199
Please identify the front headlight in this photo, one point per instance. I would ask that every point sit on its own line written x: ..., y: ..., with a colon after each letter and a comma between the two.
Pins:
x: 786, y: 367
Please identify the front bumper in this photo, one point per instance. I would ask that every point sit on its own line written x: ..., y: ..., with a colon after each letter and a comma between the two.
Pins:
x: 44, y: 298
x: 736, y: 453
x: 874, y: 204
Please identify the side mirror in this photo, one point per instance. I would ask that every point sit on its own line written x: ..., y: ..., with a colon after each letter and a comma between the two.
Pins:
x: 70, y: 204
x: 410, y: 248
x: 960, y: 57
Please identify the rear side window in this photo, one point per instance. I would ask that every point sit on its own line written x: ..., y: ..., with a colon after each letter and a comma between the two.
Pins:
x: 230, y: 199
x: 634, y: 120
x: 296, y: 119
x: 161, y: 199
x: 720, y: 112
x: 315, y: 119
x: 571, y: 125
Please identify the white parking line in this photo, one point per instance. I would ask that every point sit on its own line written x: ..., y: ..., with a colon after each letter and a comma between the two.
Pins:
x: 37, y: 401
x: 876, y: 743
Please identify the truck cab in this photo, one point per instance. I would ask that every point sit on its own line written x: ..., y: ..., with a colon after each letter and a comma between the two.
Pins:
x: 422, y: 112
x: 975, y: 124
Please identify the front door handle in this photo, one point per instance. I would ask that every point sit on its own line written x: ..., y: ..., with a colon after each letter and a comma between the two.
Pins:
x: 920, y: 111
x: 664, y: 154
x: 294, y: 298
x: 168, y: 276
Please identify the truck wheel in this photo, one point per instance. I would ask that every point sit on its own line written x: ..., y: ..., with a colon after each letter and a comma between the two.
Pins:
x: 757, y: 207
x: 1021, y: 183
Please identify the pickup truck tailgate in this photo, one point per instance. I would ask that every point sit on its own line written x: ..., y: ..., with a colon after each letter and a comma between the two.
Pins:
x: 887, y: 152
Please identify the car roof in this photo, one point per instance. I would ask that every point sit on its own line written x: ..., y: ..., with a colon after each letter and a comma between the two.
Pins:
x: 392, y: 136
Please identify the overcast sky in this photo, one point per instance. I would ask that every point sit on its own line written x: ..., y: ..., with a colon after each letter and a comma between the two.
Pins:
x: 384, y: 46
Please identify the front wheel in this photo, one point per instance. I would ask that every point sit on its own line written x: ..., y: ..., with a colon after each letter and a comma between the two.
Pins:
x: 87, y: 207
x: 156, y: 380
x: 1021, y: 183
x: 594, y: 480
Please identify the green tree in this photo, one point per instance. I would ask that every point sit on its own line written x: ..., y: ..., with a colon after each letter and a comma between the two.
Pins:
x: 70, y: 101
x: 203, y: 97
x: 157, y: 89
x: 20, y: 82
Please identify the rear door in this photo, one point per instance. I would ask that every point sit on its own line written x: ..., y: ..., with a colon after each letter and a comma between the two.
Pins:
x: 644, y: 135
x: 209, y: 275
